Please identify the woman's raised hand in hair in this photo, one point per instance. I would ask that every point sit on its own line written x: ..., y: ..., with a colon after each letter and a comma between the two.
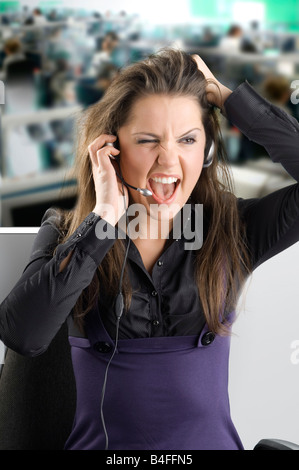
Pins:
x: 217, y: 93
x: 109, y: 191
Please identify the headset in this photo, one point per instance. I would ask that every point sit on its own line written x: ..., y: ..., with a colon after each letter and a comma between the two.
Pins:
x: 119, y: 301
x: 209, y: 154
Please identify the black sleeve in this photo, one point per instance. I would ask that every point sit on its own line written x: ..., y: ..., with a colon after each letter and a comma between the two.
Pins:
x: 43, y: 297
x: 272, y: 221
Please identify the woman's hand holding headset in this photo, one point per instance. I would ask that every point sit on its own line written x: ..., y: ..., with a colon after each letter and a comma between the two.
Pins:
x: 216, y: 92
x: 109, y: 190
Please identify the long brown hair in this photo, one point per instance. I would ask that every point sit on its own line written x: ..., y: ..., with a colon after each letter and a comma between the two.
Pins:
x: 222, y: 263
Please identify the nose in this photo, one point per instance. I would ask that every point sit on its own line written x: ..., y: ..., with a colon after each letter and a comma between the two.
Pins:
x: 168, y: 155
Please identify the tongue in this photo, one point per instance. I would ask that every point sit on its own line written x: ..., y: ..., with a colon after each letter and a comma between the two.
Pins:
x: 163, y: 191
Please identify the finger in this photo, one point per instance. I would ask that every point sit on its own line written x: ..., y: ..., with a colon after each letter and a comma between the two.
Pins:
x: 109, y: 144
x: 102, y: 139
x: 102, y: 162
x: 197, y: 59
x: 99, y: 143
x: 202, y: 66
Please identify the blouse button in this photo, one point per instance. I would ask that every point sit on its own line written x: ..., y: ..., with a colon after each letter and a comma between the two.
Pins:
x: 156, y: 322
x: 154, y: 293
x: 207, y: 338
x: 160, y: 263
x: 102, y: 347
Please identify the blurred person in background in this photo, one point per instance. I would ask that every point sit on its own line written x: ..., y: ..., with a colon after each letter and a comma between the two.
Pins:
x: 232, y: 41
x: 208, y: 38
x: 53, y: 16
x: 13, y: 53
x: 38, y: 17
x: 24, y: 15
x: 236, y: 41
x: 58, y: 81
x: 90, y: 91
x: 55, y: 46
x: 104, y: 54
x: 277, y: 90
x: 105, y: 77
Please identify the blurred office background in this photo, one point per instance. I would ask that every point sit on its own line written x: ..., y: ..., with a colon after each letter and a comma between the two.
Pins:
x: 57, y: 57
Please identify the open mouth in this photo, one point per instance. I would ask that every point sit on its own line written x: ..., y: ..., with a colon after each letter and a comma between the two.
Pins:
x: 164, y: 188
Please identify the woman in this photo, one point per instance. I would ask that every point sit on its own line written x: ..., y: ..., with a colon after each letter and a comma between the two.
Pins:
x: 149, y: 319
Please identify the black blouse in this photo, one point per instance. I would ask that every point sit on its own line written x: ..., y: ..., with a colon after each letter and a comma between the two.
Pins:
x: 165, y: 303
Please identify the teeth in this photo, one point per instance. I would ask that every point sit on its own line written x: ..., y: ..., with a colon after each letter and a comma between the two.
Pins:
x: 165, y: 180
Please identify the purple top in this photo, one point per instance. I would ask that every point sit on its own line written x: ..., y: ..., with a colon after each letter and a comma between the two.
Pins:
x: 163, y: 393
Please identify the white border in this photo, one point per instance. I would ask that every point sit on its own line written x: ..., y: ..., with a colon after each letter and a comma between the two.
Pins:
x: 19, y: 229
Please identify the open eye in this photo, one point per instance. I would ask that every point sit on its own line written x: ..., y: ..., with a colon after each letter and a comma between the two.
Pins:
x: 188, y: 140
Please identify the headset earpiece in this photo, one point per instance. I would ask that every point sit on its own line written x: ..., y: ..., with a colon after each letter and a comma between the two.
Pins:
x: 209, y: 153
x: 115, y: 143
x: 114, y: 157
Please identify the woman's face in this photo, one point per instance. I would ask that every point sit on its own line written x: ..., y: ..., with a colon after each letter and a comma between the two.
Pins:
x: 162, y: 148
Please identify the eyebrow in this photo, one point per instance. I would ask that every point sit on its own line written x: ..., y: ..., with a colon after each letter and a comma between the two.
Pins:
x: 155, y: 135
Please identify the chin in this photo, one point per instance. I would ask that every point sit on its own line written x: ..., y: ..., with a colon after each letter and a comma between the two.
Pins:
x: 164, y: 212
